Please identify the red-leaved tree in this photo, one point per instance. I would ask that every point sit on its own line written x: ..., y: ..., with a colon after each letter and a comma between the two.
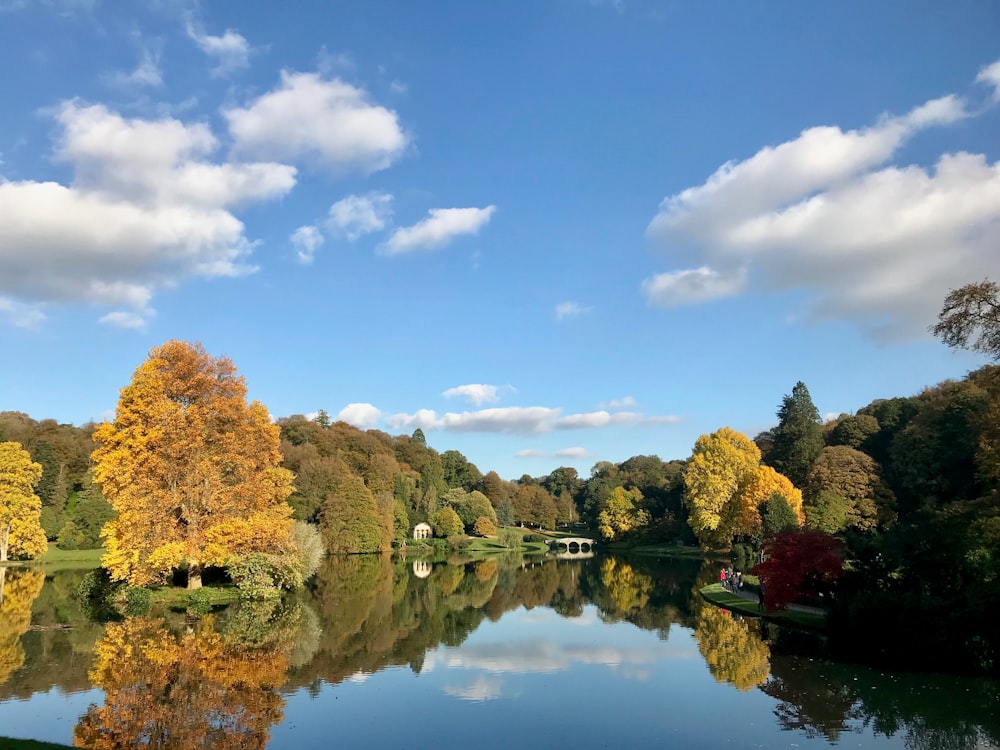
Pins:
x: 799, y: 563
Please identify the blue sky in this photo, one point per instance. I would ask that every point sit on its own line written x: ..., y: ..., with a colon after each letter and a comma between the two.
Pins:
x: 548, y: 233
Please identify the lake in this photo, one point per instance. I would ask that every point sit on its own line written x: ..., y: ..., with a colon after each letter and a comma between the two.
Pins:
x: 605, y: 652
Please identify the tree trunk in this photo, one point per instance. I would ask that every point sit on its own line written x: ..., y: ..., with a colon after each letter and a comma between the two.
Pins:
x: 194, y: 576
x: 4, y: 542
x: 3, y: 578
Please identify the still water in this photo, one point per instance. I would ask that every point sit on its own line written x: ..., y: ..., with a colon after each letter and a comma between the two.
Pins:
x: 381, y: 653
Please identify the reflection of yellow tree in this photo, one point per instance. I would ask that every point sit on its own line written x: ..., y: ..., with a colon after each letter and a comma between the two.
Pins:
x: 733, y: 649
x: 628, y: 589
x: 198, y: 690
x: 18, y: 590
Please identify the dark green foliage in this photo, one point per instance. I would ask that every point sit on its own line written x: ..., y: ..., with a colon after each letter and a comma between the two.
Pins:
x: 854, y: 431
x: 52, y: 522
x: 200, y: 602
x: 743, y: 557
x: 419, y: 438
x: 350, y: 519
x: 505, y: 513
x: 827, y: 511
x: 459, y: 471
x: 90, y: 514
x: 136, y: 601
x: 70, y: 537
x: 798, y: 438
x: 96, y: 593
x: 778, y: 515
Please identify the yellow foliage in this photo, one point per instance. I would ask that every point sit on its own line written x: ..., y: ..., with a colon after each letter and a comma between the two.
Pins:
x: 721, y: 467
x: 733, y: 649
x: 18, y: 591
x: 191, y: 468
x: 190, y: 691
x: 628, y: 589
x: 21, y: 532
x: 765, y: 483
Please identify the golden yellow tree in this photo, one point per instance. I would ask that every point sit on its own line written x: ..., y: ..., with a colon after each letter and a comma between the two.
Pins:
x: 21, y: 532
x: 721, y: 468
x: 188, y: 692
x: 18, y: 591
x: 191, y: 469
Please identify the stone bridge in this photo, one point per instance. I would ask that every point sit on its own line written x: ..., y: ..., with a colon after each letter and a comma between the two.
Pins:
x: 573, y: 548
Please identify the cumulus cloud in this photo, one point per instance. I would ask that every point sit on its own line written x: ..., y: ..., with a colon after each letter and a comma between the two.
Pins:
x: 573, y: 452
x: 566, y: 310
x: 363, y: 416
x: 308, y: 118
x: 474, y: 393
x: 306, y: 241
x: 874, y: 243
x: 145, y: 209
x: 231, y: 51
x: 438, y: 229
x: 523, y: 420
x: 531, y: 453
x: 357, y: 215
x: 20, y: 315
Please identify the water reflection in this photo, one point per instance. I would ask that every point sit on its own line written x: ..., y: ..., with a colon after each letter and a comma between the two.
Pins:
x: 223, y: 681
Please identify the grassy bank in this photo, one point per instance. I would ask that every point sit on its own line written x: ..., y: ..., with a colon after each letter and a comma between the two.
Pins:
x: 722, y: 597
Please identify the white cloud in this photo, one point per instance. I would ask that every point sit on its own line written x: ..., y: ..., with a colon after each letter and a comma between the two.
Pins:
x: 879, y: 245
x: 20, y: 315
x: 363, y: 416
x: 569, y: 310
x: 692, y: 286
x: 619, y: 403
x: 531, y: 453
x: 438, y: 229
x: 474, y: 393
x: 523, y: 420
x: 482, y: 689
x: 357, y: 215
x: 146, y: 73
x: 309, y: 118
x: 126, y: 319
x: 144, y: 210
x: 306, y: 240
x: 576, y: 452
x: 990, y: 75
x: 231, y: 51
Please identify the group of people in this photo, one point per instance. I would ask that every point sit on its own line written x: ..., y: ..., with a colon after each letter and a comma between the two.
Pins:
x: 731, y: 580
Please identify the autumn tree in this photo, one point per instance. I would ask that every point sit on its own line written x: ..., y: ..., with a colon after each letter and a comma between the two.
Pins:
x: 853, y: 475
x: 190, y: 467
x: 722, y: 467
x: 798, y: 437
x: 970, y: 318
x: 484, y: 527
x: 757, y: 496
x: 799, y: 563
x: 621, y: 514
x: 21, y: 533
x: 350, y: 519
x: 733, y: 649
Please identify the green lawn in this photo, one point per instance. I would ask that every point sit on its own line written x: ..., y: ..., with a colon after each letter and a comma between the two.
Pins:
x: 61, y: 559
x: 721, y: 597
x: 10, y: 743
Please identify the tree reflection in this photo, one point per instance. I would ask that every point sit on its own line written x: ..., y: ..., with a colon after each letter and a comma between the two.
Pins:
x: 18, y: 591
x: 627, y: 589
x: 732, y: 648
x: 199, y: 689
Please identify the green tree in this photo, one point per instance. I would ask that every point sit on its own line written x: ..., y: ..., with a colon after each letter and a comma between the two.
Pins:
x: 459, y: 471
x: 778, y: 514
x: 494, y: 488
x: 21, y: 533
x: 322, y: 419
x: 350, y: 519
x: 828, y: 512
x: 798, y: 438
x: 419, y: 438
x: 505, y: 513
x: 970, y: 318
x: 447, y: 523
x: 854, y: 431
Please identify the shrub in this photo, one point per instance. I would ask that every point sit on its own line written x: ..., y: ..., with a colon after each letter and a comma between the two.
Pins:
x: 255, y: 576
x: 535, y: 538
x: 447, y: 523
x: 136, y: 601
x: 509, y: 538
x: 199, y: 602
x: 70, y: 537
x: 484, y: 527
